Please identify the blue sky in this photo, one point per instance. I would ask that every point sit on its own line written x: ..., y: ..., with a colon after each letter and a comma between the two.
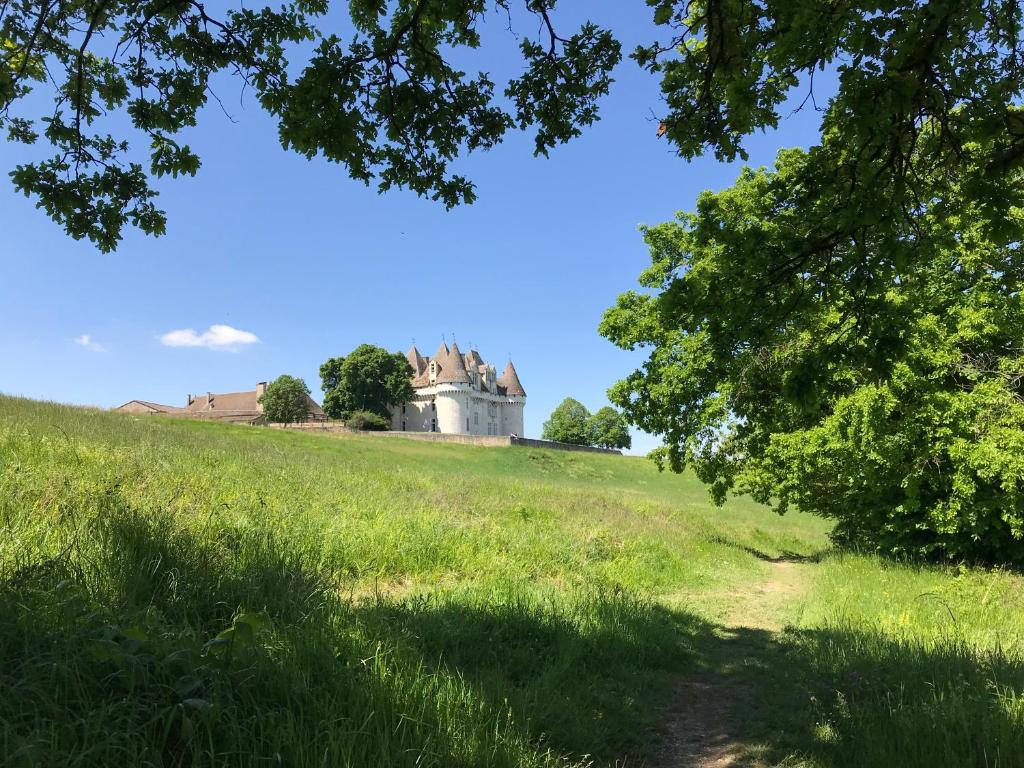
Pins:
x: 312, y: 263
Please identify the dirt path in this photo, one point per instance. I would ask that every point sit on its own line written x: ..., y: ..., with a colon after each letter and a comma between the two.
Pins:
x: 703, y: 729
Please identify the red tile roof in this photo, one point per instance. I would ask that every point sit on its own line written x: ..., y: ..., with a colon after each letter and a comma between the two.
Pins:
x: 453, y: 369
x: 416, y: 360
x: 509, y: 381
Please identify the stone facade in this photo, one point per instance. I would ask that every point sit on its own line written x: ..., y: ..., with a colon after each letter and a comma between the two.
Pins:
x: 460, y: 394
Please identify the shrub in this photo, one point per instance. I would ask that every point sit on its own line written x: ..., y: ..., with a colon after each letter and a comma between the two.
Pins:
x: 367, y: 421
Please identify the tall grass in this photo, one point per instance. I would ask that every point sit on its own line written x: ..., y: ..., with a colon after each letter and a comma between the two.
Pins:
x: 182, y: 593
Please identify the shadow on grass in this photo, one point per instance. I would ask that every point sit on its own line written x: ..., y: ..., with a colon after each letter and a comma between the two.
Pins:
x: 106, y: 656
x: 785, y: 556
x: 625, y: 689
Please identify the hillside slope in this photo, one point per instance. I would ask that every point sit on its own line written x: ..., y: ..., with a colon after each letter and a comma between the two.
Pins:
x: 182, y: 593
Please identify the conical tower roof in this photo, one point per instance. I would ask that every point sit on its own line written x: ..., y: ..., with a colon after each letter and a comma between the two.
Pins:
x: 442, y: 354
x: 453, y: 368
x: 415, y: 360
x: 510, y: 381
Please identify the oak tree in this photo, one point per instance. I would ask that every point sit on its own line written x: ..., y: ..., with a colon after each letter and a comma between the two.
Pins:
x: 383, y: 97
x: 889, y: 397
x: 367, y: 379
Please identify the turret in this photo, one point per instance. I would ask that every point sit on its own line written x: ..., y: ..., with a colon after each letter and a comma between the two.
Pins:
x: 437, y: 364
x: 453, y: 369
x: 510, y: 382
x: 415, y: 360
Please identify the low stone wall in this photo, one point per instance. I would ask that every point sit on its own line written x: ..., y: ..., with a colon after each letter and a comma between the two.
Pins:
x: 528, y: 443
x: 488, y: 441
x: 315, y: 426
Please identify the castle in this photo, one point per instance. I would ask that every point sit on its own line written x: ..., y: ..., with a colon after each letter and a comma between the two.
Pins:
x: 461, y: 394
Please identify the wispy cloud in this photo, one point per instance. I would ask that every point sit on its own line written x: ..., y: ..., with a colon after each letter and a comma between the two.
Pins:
x: 87, y: 341
x: 214, y: 337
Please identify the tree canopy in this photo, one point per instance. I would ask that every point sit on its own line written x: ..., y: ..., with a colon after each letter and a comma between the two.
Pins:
x: 608, y: 429
x: 286, y: 400
x: 380, y: 96
x: 888, y: 397
x: 568, y: 423
x: 368, y: 379
x: 383, y: 97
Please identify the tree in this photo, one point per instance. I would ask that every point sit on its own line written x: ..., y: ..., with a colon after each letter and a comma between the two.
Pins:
x: 888, y: 399
x: 608, y: 429
x: 369, y: 379
x: 379, y: 97
x: 286, y: 400
x: 569, y: 423
x: 384, y: 99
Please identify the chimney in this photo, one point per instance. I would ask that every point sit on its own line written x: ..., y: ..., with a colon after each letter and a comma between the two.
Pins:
x: 261, y: 388
x: 209, y: 399
x: 191, y: 399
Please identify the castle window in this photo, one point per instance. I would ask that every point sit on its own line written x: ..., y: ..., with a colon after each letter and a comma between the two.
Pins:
x: 433, y: 425
x: 476, y: 417
x: 467, y: 423
x: 403, y: 426
x: 433, y: 406
x: 403, y: 410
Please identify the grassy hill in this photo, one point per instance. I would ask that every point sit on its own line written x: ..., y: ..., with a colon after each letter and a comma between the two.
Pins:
x: 181, y: 593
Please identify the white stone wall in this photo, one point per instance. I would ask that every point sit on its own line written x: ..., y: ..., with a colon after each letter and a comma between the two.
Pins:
x: 459, y: 410
x: 452, y: 407
x: 512, y: 416
x: 414, y: 416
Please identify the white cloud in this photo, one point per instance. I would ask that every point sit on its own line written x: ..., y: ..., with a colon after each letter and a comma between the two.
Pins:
x: 214, y: 337
x: 87, y: 341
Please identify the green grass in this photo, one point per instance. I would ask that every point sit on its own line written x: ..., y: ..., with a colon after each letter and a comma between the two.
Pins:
x: 183, y: 593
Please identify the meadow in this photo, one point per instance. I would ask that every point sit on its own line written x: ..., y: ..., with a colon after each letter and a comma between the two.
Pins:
x: 177, y: 593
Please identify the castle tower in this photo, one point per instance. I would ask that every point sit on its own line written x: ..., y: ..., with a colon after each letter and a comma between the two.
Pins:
x: 513, y: 410
x: 453, y: 394
x: 453, y: 370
